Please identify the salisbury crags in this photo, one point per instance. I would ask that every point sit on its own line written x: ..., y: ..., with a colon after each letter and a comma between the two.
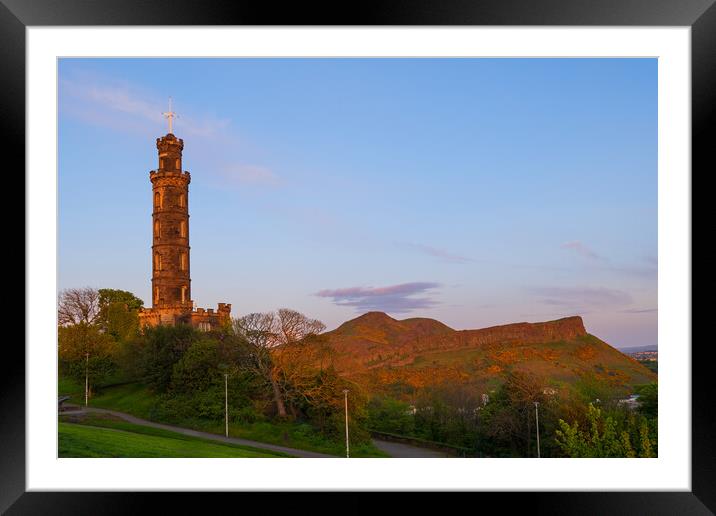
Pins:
x: 418, y: 351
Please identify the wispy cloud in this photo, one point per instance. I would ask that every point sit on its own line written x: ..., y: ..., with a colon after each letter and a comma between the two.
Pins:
x: 435, y: 252
x: 598, y: 262
x: 401, y: 298
x: 640, y: 310
x: 582, y: 250
x: 125, y: 107
x: 581, y: 298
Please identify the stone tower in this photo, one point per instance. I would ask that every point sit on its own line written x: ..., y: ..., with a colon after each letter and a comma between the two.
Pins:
x: 171, y: 280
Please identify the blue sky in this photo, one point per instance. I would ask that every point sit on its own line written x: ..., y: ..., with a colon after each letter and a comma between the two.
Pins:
x: 474, y: 191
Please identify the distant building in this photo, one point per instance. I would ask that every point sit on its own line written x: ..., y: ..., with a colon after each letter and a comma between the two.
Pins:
x: 647, y: 356
x: 171, y: 281
x: 632, y: 402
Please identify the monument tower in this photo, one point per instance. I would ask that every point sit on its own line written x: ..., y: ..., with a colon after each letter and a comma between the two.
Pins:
x: 171, y: 280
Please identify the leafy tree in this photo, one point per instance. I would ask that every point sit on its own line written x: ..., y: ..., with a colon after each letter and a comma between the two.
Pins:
x: 84, y: 351
x: 390, y: 415
x: 324, y: 406
x: 197, y: 383
x: 118, y: 313
x: 648, y: 399
x: 608, y: 436
x: 107, y: 296
x: 159, y: 349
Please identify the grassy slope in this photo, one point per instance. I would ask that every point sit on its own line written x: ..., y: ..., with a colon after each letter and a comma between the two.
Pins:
x: 562, y: 363
x: 136, y: 399
x: 132, y: 398
x: 89, y: 441
x: 384, y: 354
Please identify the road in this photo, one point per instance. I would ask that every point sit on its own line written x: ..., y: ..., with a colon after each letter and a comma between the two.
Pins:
x: 399, y: 450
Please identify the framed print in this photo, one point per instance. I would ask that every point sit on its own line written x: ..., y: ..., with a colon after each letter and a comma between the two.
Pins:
x: 427, y: 245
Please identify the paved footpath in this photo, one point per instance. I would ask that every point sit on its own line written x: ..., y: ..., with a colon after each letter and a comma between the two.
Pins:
x: 204, y: 435
x: 400, y: 450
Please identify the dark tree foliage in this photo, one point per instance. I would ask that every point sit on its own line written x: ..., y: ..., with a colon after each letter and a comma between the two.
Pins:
x: 193, y: 372
x: 159, y: 349
x: 649, y: 400
x: 504, y: 421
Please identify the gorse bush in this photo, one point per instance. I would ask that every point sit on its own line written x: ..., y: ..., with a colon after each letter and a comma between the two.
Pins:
x: 606, y: 436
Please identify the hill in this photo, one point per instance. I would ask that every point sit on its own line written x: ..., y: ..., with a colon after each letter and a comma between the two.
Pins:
x: 389, y: 355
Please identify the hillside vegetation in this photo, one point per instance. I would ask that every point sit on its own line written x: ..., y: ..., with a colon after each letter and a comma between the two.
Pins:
x: 279, y: 377
x: 387, y: 355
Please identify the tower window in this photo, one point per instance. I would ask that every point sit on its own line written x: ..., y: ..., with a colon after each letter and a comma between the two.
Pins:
x: 177, y: 164
x: 156, y: 295
x: 157, y: 261
x: 182, y: 200
x: 183, y: 294
x: 157, y: 229
x: 183, y: 261
x: 182, y: 229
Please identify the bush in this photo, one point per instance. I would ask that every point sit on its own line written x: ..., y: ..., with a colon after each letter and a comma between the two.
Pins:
x: 390, y: 415
x: 620, y: 434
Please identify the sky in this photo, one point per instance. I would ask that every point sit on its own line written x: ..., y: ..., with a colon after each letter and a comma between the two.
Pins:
x: 474, y: 191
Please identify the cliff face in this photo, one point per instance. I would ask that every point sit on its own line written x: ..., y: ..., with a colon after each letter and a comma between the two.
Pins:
x: 378, y: 335
x: 568, y: 328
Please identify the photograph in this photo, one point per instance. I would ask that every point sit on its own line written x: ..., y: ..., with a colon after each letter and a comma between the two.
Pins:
x: 357, y: 257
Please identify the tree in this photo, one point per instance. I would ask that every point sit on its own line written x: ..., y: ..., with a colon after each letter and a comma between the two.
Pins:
x: 86, y: 353
x: 605, y: 436
x: 306, y: 374
x: 277, y: 343
x: 160, y: 348
x: 261, y: 332
x: 294, y: 326
x: 648, y: 399
x: 118, y: 313
x: 108, y: 296
x: 78, y: 305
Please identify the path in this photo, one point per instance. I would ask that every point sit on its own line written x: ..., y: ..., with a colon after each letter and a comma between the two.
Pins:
x: 404, y: 450
x: 196, y: 433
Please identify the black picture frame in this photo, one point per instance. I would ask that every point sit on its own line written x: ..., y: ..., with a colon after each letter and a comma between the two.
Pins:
x: 699, y: 15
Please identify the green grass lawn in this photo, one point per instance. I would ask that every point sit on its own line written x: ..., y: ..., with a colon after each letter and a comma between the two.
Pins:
x: 302, y: 436
x: 69, y: 387
x: 132, y: 398
x: 136, y: 399
x: 78, y: 440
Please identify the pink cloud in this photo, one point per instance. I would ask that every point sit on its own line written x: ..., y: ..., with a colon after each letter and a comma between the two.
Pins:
x: 399, y: 298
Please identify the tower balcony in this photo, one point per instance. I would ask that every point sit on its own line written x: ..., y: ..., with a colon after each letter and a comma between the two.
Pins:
x: 182, y: 178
